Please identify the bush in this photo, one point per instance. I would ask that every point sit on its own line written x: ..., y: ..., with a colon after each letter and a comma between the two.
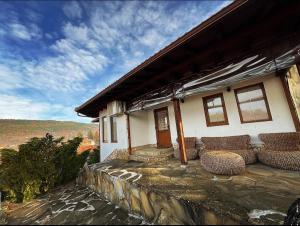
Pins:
x: 40, y: 164
x: 68, y: 163
x: 94, y: 157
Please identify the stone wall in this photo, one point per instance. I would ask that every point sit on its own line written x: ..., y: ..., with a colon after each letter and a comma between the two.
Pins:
x: 155, y: 206
x: 118, y: 154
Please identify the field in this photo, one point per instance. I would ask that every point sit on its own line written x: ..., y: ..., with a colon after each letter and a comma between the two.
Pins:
x: 15, y: 132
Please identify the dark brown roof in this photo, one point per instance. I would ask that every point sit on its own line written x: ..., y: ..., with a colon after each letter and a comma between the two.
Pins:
x: 241, y: 28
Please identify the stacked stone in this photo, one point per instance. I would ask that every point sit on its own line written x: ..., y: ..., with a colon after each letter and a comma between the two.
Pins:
x: 157, y: 207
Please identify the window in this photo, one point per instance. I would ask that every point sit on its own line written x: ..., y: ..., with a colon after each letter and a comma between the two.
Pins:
x: 104, y: 130
x: 215, y: 110
x: 113, y: 129
x: 252, y: 104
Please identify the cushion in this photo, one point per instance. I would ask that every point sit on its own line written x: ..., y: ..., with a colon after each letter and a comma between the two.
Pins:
x: 280, y: 159
x: 223, y: 163
x: 226, y: 143
x: 281, y: 141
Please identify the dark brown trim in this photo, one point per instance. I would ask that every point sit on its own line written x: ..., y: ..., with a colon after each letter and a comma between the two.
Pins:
x: 208, y: 122
x: 290, y: 101
x: 298, y: 68
x: 103, y: 132
x: 128, y: 134
x: 111, y: 118
x: 261, y: 85
x: 180, y: 134
x: 156, y: 126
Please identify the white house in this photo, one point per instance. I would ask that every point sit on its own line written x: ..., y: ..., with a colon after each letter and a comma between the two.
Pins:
x: 236, y: 73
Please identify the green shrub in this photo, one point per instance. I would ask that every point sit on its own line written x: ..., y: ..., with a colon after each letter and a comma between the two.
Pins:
x: 38, y: 166
x: 68, y: 163
x: 94, y: 156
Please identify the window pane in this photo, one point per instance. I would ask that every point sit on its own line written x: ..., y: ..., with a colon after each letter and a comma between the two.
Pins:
x: 114, y: 137
x: 216, y: 114
x: 162, y: 118
x: 215, y: 111
x: 104, y: 129
x: 252, y: 104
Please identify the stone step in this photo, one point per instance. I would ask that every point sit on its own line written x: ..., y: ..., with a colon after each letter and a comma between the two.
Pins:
x: 147, y: 158
x: 154, y: 151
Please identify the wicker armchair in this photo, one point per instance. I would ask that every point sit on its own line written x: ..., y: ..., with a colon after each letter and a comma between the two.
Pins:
x: 282, y: 150
x: 235, y: 144
x: 191, y: 150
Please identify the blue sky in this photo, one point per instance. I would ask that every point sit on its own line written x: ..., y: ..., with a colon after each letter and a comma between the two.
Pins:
x: 54, y: 55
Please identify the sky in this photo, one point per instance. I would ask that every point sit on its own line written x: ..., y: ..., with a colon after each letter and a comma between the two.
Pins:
x: 55, y: 55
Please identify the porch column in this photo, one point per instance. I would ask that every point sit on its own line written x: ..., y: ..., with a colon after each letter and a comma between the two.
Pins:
x: 128, y: 134
x: 180, y: 134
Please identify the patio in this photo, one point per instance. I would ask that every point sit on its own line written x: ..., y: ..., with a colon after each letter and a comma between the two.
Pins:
x: 261, y: 195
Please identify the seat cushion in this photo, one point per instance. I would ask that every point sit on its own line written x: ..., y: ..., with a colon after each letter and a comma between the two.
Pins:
x: 223, y: 163
x: 249, y: 156
x: 280, y: 159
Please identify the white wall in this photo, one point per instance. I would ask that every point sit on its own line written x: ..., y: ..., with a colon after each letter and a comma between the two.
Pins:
x: 194, y: 122
x: 107, y: 148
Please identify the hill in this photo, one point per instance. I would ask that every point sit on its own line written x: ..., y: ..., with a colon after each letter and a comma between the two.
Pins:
x: 15, y: 132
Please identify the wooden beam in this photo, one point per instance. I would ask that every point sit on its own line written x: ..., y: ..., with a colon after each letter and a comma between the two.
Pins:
x: 290, y: 101
x: 128, y: 134
x: 180, y: 134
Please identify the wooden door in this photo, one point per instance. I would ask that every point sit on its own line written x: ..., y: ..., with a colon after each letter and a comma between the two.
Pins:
x: 162, y: 127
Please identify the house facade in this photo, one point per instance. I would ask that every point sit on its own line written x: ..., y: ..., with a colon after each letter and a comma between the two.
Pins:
x: 236, y: 73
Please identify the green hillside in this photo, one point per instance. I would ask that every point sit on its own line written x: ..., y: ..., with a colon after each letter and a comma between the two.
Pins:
x: 15, y: 132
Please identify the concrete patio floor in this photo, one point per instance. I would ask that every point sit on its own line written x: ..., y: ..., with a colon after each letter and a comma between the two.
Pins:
x: 261, y: 195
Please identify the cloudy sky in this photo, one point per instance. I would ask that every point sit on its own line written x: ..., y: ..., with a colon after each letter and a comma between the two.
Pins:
x: 56, y: 55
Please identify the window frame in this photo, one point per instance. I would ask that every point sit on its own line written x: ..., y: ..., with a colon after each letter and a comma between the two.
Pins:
x: 207, y: 117
x: 262, y: 87
x: 111, y: 130
x: 103, y: 131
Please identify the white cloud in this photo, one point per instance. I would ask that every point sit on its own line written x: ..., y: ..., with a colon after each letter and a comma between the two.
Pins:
x: 17, y: 107
x: 20, y: 31
x: 9, y: 78
x: 72, y: 10
x: 27, y: 33
x: 78, y: 33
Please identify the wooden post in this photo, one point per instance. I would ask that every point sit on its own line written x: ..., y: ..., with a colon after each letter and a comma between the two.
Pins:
x: 128, y: 133
x: 290, y: 101
x: 180, y: 134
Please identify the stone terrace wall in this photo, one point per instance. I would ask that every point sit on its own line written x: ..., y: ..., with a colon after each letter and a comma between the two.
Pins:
x: 156, y: 206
